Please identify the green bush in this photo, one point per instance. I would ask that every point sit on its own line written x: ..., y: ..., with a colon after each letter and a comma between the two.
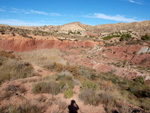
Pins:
x: 89, y: 85
x: 110, y: 37
x: 125, y: 37
x: 140, y: 80
x: 145, y: 37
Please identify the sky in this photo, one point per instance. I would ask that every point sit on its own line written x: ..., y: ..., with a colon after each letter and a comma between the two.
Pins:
x: 59, y: 12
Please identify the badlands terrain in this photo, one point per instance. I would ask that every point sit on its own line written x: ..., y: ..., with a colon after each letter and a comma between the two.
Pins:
x: 104, y: 68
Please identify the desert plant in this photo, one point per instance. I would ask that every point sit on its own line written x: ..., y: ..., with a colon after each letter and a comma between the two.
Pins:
x: 43, y: 57
x: 26, y: 107
x: 48, y: 87
x: 14, y: 69
x: 89, y: 96
x: 89, y: 85
x: 145, y: 37
x: 110, y: 37
x: 68, y: 93
x: 125, y: 37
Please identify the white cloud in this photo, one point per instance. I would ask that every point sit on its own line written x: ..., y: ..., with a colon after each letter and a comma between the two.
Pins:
x: 55, y: 14
x: 15, y: 22
x: 119, y: 18
x: 15, y: 10
x: 136, y: 2
x: 38, y: 12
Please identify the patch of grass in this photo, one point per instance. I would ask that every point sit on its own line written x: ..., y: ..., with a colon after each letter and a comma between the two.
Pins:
x: 43, y: 57
x: 48, y: 87
x: 68, y: 93
x: 70, y: 84
x: 73, y: 69
x: 133, y: 91
x: 14, y: 69
x: 89, y: 85
x: 110, y: 37
x: 42, y: 98
x: 89, y: 96
x: 11, y: 90
x: 26, y: 107
x: 145, y: 103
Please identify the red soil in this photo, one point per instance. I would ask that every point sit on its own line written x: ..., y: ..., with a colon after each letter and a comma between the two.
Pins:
x: 21, y: 44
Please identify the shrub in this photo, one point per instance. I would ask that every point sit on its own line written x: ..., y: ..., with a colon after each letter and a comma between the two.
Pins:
x: 48, y: 87
x: 26, y: 108
x: 139, y: 80
x: 71, y: 68
x: 68, y: 93
x: 107, y: 99
x: 89, y: 85
x: 70, y: 84
x: 89, y: 96
x: 145, y: 37
x: 139, y: 88
x: 14, y: 69
x: 10, y: 90
x: 42, y: 98
x: 125, y: 37
x: 110, y: 37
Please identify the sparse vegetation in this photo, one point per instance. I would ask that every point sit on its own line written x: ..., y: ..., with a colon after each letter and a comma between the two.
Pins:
x: 125, y: 37
x: 43, y: 57
x: 64, y: 79
x: 145, y: 37
x: 110, y: 37
x: 60, y: 67
x: 48, y: 87
x: 68, y: 93
x: 89, y: 96
x: 25, y: 107
x: 14, y: 69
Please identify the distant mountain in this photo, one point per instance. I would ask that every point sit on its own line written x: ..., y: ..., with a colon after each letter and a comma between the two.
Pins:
x: 79, y: 29
x: 139, y: 27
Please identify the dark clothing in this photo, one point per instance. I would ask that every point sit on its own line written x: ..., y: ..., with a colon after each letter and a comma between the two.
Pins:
x: 73, y: 109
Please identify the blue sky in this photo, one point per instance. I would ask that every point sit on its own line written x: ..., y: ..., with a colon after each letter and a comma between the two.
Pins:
x: 59, y: 12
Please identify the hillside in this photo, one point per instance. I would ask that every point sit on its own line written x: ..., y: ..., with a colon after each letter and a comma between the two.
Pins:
x: 103, y: 68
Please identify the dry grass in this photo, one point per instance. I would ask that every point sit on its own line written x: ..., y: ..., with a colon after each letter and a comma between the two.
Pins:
x: 10, y: 90
x: 89, y: 96
x: 14, y: 69
x: 43, y: 57
x: 48, y: 87
x: 25, y: 107
x: 7, y: 54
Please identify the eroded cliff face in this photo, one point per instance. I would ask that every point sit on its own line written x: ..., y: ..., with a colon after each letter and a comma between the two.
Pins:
x: 20, y: 44
x: 123, y: 53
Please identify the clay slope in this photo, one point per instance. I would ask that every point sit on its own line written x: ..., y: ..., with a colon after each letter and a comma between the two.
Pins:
x: 19, y: 43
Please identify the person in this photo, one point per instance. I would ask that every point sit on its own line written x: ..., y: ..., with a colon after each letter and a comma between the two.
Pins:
x: 73, y: 107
